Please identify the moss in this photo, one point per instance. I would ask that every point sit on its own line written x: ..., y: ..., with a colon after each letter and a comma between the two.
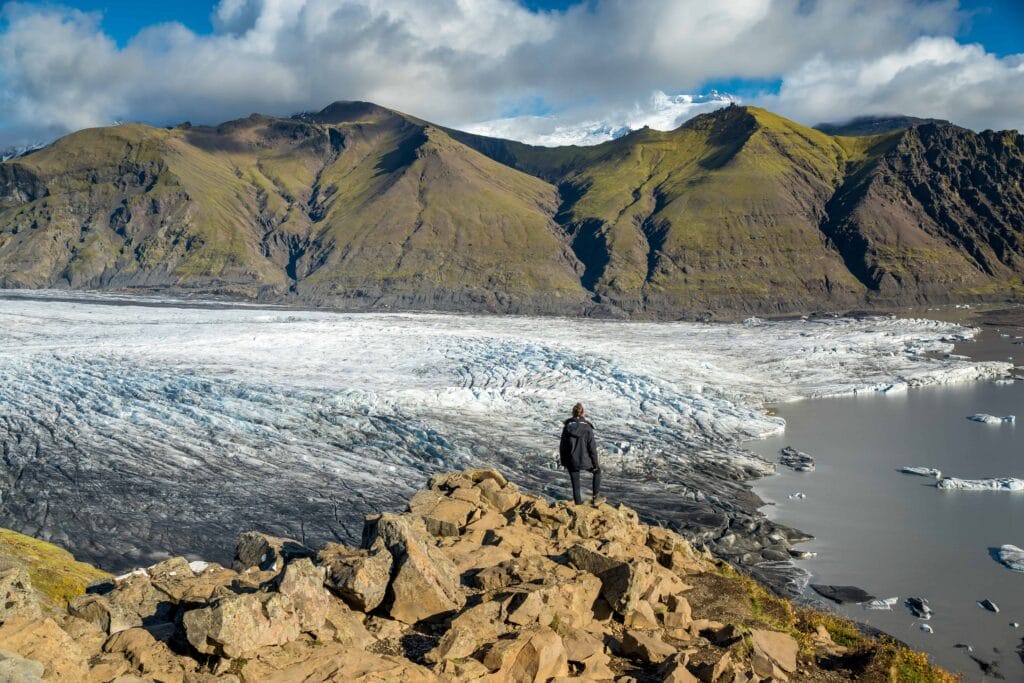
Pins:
x: 54, y: 572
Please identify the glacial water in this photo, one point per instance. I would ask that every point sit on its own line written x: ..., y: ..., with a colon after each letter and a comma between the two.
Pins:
x: 896, y: 534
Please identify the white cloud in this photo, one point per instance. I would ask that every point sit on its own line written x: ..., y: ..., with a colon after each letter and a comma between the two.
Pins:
x: 460, y: 62
x: 932, y: 77
x: 661, y: 112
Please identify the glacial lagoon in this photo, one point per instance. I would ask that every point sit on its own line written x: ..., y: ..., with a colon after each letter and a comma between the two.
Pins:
x: 896, y: 534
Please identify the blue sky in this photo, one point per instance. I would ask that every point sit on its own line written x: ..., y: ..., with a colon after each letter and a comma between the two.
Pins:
x: 996, y: 24
x: 540, y: 69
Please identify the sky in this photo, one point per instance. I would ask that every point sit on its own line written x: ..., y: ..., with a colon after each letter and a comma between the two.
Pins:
x: 542, y: 71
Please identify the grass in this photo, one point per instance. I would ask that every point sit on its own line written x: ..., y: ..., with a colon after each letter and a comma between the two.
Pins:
x: 884, y: 659
x: 54, y: 572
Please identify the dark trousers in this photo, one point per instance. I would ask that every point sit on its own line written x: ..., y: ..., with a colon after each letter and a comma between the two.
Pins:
x: 575, y: 476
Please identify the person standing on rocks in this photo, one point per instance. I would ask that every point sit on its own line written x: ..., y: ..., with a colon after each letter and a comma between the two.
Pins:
x: 578, y: 452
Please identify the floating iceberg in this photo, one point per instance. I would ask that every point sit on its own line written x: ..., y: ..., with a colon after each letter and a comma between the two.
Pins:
x: 919, y: 608
x: 1012, y: 557
x: 881, y: 603
x: 992, y: 419
x: 921, y: 471
x: 927, y: 628
x: 792, y: 458
x: 989, y: 605
x: 1004, y: 484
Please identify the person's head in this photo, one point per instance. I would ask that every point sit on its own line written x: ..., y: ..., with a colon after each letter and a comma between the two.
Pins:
x: 578, y: 411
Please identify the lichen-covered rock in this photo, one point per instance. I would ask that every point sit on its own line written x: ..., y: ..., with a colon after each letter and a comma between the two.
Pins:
x: 239, y: 624
x: 303, y: 584
x: 17, y: 597
x: 360, y: 577
x: 254, y: 549
x: 44, y: 641
x: 17, y: 669
x: 424, y: 581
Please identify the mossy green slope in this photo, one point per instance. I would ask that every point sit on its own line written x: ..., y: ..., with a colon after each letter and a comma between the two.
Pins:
x: 738, y: 211
x: 56, y: 575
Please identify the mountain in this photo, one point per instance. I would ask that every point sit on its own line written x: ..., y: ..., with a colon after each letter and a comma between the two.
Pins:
x: 737, y: 211
x: 874, y: 125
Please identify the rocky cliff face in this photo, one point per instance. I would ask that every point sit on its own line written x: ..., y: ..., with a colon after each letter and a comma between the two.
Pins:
x: 475, y: 582
x: 738, y: 211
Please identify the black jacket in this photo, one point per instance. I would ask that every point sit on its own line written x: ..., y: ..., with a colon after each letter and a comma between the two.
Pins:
x: 578, y: 450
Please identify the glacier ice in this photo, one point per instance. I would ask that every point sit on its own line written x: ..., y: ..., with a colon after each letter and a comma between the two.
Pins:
x: 133, y: 430
x: 991, y: 419
x: 995, y: 484
x: 1012, y: 557
x: 921, y: 471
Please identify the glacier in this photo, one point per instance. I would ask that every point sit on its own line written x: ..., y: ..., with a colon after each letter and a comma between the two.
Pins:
x: 135, y: 429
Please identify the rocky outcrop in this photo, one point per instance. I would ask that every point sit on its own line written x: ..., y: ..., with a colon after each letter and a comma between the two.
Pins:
x: 476, y: 582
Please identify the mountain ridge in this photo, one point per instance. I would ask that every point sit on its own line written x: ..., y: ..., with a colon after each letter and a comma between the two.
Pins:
x: 736, y: 212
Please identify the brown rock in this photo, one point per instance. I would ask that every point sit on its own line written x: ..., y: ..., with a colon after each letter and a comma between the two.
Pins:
x: 641, y: 617
x: 148, y: 655
x: 239, y: 624
x: 458, y: 643
x: 674, y: 670
x: 303, y: 584
x: 425, y: 582
x: 342, y: 625
x: 17, y: 597
x: 44, y: 641
x: 534, y: 656
x: 360, y: 577
x: 781, y: 648
x: 104, y: 612
x: 266, y: 552
x: 646, y: 647
x: 501, y: 498
x: 709, y: 673
x: 17, y: 669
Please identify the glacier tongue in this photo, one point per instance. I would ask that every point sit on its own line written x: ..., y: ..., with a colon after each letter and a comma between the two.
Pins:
x: 132, y: 431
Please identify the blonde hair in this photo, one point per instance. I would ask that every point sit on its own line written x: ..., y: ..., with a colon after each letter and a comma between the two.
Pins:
x: 578, y: 411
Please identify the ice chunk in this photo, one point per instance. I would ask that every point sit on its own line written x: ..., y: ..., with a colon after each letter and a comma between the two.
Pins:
x: 1002, y: 484
x: 792, y: 458
x: 921, y: 471
x: 882, y: 603
x: 919, y: 608
x: 797, y: 496
x: 992, y: 419
x: 1011, y: 556
x: 989, y: 605
x: 927, y: 628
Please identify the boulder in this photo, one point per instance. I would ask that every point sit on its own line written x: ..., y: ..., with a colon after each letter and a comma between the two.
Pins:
x: 533, y: 656
x: 17, y: 597
x: 147, y: 655
x: 424, y: 583
x: 444, y: 516
x: 780, y: 648
x: 674, y: 670
x: 342, y: 625
x: 623, y: 584
x: 712, y: 671
x: 254, y: 549
x: 500, y: 497
x: 105, y: 612
x: 44, y: 641
x: 17, y: 669
x: 359, y: 577
x: 303, y: 584
x: 646, y: 647
x: 237, y: 625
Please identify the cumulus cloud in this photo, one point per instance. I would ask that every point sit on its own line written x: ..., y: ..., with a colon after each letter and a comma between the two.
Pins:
x: 932, y: 77
x: 462, y: 62
x: 574, y: 127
